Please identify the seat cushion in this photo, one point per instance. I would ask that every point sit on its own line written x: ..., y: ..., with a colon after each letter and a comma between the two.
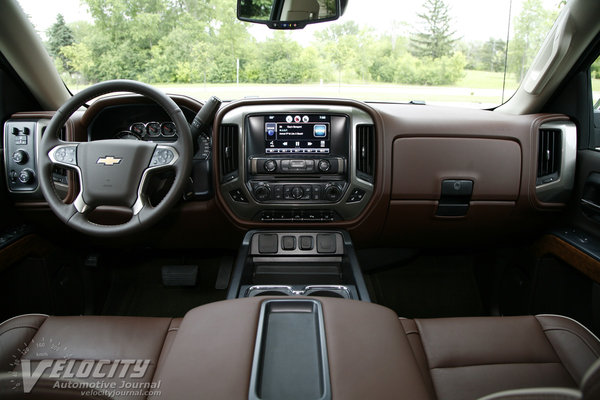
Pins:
x: 467, y: 358
x: 111, y: 350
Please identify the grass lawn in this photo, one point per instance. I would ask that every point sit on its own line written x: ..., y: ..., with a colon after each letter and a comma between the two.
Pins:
x: 476, y: 88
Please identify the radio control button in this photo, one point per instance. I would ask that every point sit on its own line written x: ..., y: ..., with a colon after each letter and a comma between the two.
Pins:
x: 324, y: 165
x: 270, y: 165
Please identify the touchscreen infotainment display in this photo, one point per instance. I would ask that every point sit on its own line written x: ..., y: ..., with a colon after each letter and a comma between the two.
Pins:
x: 297, y: 133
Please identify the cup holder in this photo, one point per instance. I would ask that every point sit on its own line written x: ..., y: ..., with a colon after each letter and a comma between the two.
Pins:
x: 335, y: 291
x: 270, y: 293
x: 325, y: 293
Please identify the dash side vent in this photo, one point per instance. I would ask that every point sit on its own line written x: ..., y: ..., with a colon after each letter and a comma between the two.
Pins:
x: 365, y: 152
x: 549, y: 154
x: 228, y: 151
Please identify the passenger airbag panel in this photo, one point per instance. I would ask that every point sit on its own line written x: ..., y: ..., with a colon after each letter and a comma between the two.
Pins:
x: 421, y: 164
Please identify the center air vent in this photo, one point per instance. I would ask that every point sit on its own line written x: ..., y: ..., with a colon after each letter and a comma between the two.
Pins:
x: 365, y: 152
x: 549, y: 153
x: 228, y: 151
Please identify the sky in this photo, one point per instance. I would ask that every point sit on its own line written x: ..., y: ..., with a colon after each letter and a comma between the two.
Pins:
x: 474, y: 20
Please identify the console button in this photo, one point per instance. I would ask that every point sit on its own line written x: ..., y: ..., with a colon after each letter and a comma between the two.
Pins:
x: 288, y: 243
x: 332, y: 193
x: 324, y: 165
x: 270, y: 165
x: 20, y: 156
x: 297, y: 193
x: 306, y: 243
x: 262, y: 192
x: 238, y: 195
x: 26, y: 176
x: 267, y: 243
x: 356, y: 196
x: 326, y: 243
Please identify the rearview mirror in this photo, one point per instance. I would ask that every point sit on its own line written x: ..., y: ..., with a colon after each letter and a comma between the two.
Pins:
x: 288, y: 14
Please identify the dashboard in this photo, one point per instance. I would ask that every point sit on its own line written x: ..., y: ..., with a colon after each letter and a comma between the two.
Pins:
x: 387, y: 173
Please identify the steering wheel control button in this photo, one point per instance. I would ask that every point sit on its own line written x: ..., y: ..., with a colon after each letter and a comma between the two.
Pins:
x: 306, y: 243
x: 26, y: 176
x: 288, y: 243
x: 161, y: 157
x: 20, y: 157
x: 326, y: 243
x: 267, y: 243
x: 356, y: 195
x: 66, y: 155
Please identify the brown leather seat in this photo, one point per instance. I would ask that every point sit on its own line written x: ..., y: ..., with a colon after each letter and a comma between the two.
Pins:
x: 467, y: 358
x: 108, y: 343
x: 371, y: 353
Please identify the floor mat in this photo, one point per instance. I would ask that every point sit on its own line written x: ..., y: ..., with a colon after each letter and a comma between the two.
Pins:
x: 138, y: 289
x: 429, y: 287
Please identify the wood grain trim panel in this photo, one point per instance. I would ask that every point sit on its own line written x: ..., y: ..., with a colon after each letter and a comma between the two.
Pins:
x: 587, y: 265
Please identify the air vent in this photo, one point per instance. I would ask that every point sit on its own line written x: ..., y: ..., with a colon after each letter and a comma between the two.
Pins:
x: 549, y: 153
x: 228, y: 151
x: 365, y: 152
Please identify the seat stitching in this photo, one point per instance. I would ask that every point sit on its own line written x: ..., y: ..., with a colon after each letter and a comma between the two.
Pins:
x: 169, y: 329
x: 587, y: 343
x: 23, y: 315
x: 85, y: 359
x: 576, y: 381
x: 36, y: 328
x: 490, y: 364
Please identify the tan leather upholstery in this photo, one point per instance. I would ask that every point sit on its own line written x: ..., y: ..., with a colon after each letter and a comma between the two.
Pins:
x: 468, y: 358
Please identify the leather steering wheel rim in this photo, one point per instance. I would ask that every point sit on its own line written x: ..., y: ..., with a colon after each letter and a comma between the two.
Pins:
x: 176, y: 156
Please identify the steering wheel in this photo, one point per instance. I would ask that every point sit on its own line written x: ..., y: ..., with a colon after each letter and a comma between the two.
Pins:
x: 114, y: 172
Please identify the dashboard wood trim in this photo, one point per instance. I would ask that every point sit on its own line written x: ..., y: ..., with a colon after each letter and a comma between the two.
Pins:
x: 587, y: 265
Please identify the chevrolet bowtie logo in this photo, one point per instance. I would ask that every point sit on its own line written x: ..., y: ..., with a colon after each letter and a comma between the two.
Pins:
x: 109, y: 160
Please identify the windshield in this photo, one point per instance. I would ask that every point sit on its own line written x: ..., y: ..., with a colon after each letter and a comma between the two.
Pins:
x: 433, y: 51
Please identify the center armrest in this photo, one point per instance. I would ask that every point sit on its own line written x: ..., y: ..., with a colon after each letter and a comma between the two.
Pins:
x: 368, y: 352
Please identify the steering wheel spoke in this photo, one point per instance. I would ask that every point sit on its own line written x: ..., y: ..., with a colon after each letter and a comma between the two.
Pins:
x: 115, y: 172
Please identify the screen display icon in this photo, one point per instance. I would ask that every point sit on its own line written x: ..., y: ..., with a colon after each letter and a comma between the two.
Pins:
x: 320, y: 131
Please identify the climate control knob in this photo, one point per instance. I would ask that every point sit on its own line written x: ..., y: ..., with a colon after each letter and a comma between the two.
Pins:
x: 332, y: 192
x: 262, y: 192
x: 297, y: 193
x: 20, y: 156
x: 270, y: 165
x: 26, y: 176
x: 324, y: 165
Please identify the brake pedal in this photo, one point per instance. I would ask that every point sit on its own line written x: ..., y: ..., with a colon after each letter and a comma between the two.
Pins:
x: 179, y: 275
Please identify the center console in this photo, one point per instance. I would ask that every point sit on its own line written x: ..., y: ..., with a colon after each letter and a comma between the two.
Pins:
x: 297, y: 263
x: 296, y: 162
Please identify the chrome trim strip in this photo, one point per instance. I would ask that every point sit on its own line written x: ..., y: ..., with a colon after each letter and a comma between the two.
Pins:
x: 140, y: 202
x: 559, y: 190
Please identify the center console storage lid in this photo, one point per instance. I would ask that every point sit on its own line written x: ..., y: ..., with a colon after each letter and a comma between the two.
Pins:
x: 368, y: 353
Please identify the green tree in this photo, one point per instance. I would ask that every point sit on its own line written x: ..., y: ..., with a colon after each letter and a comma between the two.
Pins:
x: 531, y: 27
x: 59, y: 36
x: 339, y: 44
x: 437, y: 37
